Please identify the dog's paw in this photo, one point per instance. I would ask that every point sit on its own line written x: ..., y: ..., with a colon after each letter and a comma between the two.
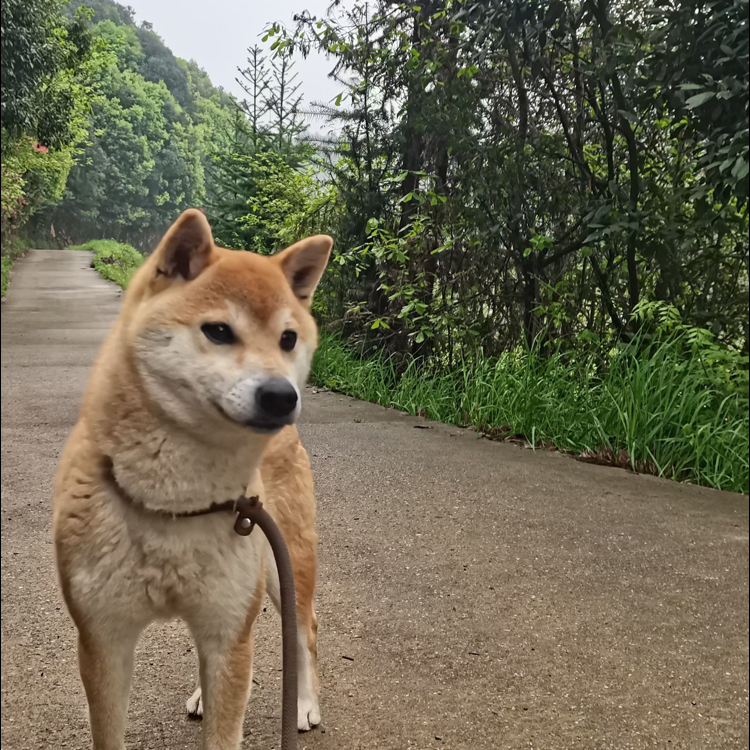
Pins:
x: 308, y: 714
x: 194, y: 705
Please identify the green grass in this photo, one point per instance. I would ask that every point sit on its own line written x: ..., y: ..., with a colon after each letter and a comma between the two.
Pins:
x: 7, y: 263
x: 664, y: 411
x: 114, y: 261
x: 13, y: 248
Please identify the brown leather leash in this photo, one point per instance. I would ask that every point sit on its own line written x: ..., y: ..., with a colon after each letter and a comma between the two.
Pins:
x: 251, y: 513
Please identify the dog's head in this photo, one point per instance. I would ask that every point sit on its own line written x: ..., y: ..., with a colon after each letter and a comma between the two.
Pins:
x: 223, y: 340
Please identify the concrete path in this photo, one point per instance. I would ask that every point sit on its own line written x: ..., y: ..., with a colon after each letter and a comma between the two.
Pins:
x: 472, y: 594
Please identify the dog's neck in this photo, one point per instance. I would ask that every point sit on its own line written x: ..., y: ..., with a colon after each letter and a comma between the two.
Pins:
x: 169, y: 470
x: 164, y: 467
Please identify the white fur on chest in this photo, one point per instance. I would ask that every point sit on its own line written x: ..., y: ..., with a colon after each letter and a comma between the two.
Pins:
x: 149, y: 567
x: 171, y: 471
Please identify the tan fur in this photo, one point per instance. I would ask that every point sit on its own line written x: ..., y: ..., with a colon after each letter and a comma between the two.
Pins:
x: 165, y: 412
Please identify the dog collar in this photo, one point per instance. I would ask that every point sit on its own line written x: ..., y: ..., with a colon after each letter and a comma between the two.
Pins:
x: 243, y: 506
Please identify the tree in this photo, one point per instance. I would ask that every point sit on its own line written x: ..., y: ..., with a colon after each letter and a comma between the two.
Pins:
x: 45, y: 64
x: 514, y: 170
x: 255, y: 83
x: 282, y: 103
x: 259, y: 191
x: 151, y: 135
x: 49, y: 62
x: 141, y: 168
x: 699, y: 66
x: 161, y: 65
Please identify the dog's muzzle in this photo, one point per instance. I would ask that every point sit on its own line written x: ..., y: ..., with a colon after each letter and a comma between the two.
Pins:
x: 264, y: 405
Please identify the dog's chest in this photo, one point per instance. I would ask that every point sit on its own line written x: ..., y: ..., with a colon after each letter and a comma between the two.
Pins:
x: 181, y: 567
x: 201, y: 564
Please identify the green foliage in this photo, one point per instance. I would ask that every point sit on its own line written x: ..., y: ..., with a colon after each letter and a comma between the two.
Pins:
x: 160, y: 65
x: 152, y: 129
x: 123, y: 42
x: 261, y: 193
x: 140, y: 169
x: 6, y: 265
x: 669, y: 407
x: 114, y: 261
x: 260, y: 203
x: 534, y: 168
x: 11, y: 250
x: 33, y: 178
x: 49, y: 65
x: 46, y: 62
x: 699, y: 65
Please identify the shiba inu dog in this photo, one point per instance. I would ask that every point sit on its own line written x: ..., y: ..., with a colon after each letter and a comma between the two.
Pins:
x: 192, y: 403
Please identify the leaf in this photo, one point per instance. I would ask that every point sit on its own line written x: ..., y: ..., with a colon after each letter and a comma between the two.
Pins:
x: 740, y: 169
x: 698, y: 99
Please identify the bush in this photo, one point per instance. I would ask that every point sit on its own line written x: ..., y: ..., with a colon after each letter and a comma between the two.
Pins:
x: 33, y: 178
x: 6, y: 264
x: 115, y: 261
x: 671, y: 403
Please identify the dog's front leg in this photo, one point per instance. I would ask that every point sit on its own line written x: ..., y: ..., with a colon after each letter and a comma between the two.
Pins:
x: 105, y: 660
x: 225, y: 677
x: 225, y: 657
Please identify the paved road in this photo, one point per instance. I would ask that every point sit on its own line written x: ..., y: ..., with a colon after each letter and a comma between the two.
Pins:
x: 472, y: 594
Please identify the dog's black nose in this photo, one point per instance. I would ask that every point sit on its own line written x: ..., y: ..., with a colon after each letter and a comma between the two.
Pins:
x: 276, y: 397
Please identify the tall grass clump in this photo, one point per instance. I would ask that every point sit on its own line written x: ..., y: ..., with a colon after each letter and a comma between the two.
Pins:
x: 115, y: 261
x: 12, y: 249
x: 7, y: 263
x: 671, y: 402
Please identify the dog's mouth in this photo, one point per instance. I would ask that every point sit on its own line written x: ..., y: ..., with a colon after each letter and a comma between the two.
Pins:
x: 261, y: 426
x: 264, y: 427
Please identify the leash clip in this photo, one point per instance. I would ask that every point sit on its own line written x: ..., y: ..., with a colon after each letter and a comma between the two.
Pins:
x: 246, y: 507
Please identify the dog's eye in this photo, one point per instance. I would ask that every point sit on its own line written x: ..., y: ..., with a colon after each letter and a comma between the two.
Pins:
x: 288, y: 340
x: 218, y: 333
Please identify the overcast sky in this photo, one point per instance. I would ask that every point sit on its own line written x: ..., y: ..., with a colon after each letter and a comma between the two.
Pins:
x: 217, y: 33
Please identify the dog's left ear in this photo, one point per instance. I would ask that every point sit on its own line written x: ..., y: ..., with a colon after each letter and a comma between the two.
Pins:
x: 303, y: 264
x: 186, y: 248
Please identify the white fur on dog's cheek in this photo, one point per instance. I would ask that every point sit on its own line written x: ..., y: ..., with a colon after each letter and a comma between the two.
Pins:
x: 298, y: 407
x: 239, y: 401
x: 180, y: 377
x: 190, y: 378
x: 302, y: 363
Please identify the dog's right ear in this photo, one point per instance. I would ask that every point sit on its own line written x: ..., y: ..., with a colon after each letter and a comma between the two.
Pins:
x: 186, y: 248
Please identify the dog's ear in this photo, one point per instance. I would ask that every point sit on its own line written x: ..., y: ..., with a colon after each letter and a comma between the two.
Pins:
x: 185, y: 250
x: 303, y: 264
